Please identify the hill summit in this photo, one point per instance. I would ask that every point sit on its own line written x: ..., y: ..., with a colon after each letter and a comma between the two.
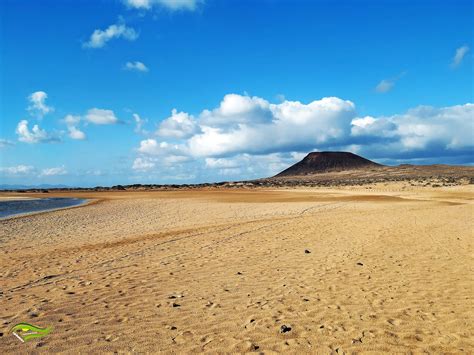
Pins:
x: 320, y: 162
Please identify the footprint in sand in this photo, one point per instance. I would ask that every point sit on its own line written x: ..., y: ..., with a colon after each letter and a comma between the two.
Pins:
x: 395, y: 322
x: 183, y: 337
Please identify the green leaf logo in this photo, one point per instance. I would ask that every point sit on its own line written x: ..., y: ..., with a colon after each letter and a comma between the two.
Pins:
x: 26, y: 331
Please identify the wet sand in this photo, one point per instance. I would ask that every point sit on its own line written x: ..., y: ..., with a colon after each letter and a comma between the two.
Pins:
x: 382, y: 268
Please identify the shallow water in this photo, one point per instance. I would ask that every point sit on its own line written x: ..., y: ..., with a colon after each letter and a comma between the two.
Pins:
x: 15, y: 207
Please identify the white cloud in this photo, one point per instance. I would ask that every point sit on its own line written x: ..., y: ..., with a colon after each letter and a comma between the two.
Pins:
x: 38, y: 104
x: 257, y: 126
x: 75, y: 133
x: 17, y: 170
x: 136, y: 66
x: 36, y: 135
x: 172, y: 5
x: 99, y: 38
x: 178, y: 125
x: 101, y: 117
x: 363, y: 122
x: 252, y: 125
x: 143, y: 164
x: 138, y: 4
x: 249, y: 137
x: 237, y: 109
x: 459, y: 56
x: 72, y: 120
x: 446, y: 128
x: 152, y: 147
x: 139, y: 122
x: 53, y: 171
x: 162, y: 153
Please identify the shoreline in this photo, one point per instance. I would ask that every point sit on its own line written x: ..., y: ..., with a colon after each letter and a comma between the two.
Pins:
x: 27, y: 214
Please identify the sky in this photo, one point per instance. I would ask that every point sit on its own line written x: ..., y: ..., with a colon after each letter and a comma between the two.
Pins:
x: 105, y: 92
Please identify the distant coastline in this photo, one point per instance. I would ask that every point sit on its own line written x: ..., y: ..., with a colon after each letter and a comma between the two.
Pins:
x: 417, y: 175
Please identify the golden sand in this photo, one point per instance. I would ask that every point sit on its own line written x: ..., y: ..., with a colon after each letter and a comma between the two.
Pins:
x: 380, y: 269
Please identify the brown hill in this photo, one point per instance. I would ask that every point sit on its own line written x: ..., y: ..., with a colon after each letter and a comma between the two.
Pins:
x: 321, y: 162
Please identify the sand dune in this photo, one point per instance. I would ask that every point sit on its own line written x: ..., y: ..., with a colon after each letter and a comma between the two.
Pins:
x: 385, y: 269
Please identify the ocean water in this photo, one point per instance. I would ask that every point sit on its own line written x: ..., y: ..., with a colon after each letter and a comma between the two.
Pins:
x: 15, y: 207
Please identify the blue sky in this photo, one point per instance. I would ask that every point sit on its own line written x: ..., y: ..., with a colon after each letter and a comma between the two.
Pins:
x: 163, y: 91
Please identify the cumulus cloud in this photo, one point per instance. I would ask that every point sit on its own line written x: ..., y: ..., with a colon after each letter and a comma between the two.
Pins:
x: 38, y: 105
x: 35, y: 135
x: 178, y: 125
x: 153, y: 147
x: 237, y: 109
x: 259, y: 127
x: 172, y: 5
x: 243, y: 124
x: 136, y: 66
x: 54, y: 171
x: 17, y: 170
x: 161, y: 153
x: 424, y: 128
x: 248, y: 137
x: 74, y: 133
x: 101, y: 117
x: 143, y: 164
x: 72, y: 120
x: 99, y: 38
x: 459, y: 56
x: 245, y: 132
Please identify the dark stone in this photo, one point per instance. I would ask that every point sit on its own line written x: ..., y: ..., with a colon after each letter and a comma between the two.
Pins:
x: 284, y: 329
x: 306, y: 251
x: 360, y: 264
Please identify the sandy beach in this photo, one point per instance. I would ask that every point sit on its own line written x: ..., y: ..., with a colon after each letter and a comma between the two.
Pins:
x: 380, y: 268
